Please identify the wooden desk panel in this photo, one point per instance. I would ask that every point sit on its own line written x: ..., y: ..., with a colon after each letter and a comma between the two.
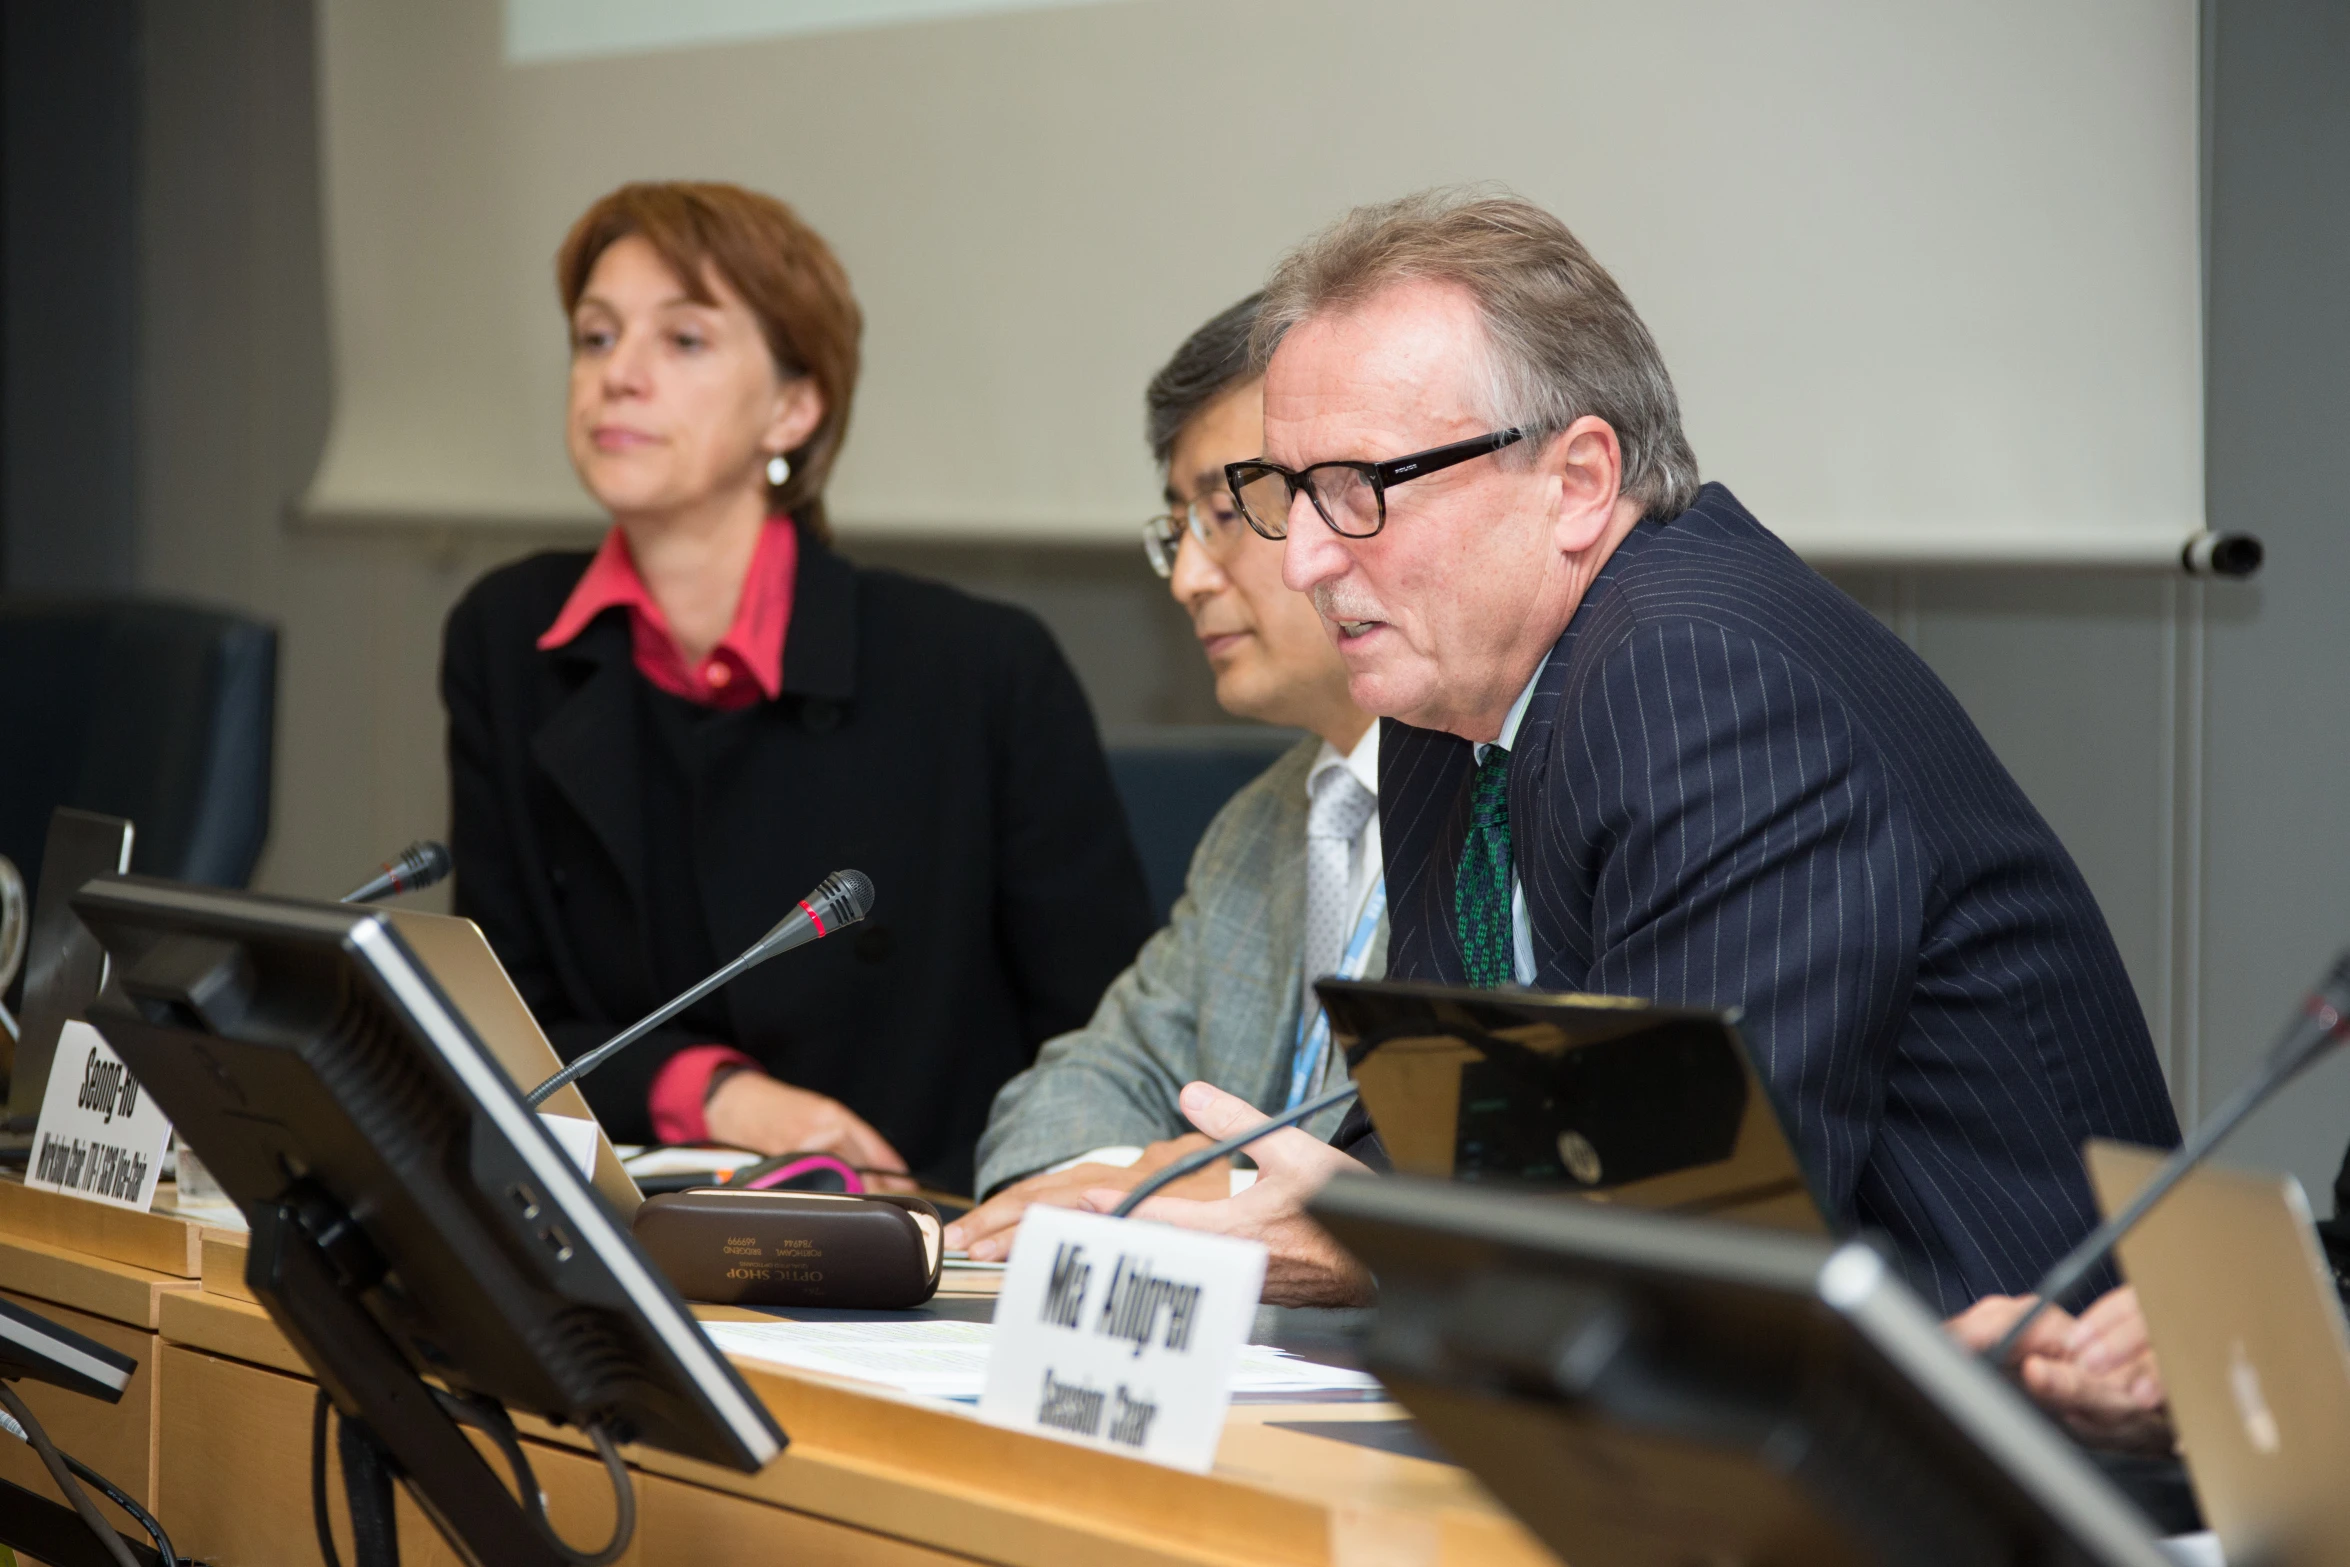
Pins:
x: 117, y: 1440
x: 933, y: 1476
x: 224, y: 1325
x: 162, y: 1242
x: 233, y: 1480
x: 116, y: 1291
x: 235, y: 1489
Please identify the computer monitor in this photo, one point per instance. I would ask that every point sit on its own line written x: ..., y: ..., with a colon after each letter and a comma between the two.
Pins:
x: 1606, y: 1097
x: 1648, y: 1390
x: 411, y: 1218
x: 64, y: 965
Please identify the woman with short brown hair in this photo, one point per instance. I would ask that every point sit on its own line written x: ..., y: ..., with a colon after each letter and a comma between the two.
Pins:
x: 655, y: 750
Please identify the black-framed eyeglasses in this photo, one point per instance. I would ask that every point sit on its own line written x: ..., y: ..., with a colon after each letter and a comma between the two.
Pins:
x: 1211, y: 519
x: 1350, y: 496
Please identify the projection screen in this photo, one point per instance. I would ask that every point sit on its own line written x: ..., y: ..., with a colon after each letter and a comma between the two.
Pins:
x: 1926, y: 274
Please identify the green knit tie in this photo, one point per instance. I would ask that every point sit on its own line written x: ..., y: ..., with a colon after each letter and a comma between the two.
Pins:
x: 1481, y: 888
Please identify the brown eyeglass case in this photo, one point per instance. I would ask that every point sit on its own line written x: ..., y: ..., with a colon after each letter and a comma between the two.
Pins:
x: 794, y: 1248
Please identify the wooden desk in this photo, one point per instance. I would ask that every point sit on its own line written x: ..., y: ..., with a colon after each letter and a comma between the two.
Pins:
x: 118, y: 1305
x: 869, y: 1480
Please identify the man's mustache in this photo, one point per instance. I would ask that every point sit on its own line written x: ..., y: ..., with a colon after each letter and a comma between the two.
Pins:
x: 1334, y: 603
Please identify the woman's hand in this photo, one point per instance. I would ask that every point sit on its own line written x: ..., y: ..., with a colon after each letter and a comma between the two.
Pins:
x: 752, y: 1110
x: 986, y: 1232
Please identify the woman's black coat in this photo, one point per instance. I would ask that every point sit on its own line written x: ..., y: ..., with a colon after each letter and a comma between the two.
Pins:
x: 936, y: 742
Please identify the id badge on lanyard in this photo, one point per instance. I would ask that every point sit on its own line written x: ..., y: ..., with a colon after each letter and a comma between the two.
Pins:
x: 1313, y: 1024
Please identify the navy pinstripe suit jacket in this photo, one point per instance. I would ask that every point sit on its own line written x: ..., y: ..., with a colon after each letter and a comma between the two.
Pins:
x: 1733, y: 787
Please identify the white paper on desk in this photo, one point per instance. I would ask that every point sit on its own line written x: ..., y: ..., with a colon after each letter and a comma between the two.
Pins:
x: 938, y: 1359
x: 652, y: 1162
x: 930, y: 1357
x: 100, y: 1135
x: 577, y: 1139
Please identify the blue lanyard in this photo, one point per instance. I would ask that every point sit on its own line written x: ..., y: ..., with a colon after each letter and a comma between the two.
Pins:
x: 1313, y: 1024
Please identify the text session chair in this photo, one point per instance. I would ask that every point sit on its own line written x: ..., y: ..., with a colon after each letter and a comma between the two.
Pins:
x: 162, y: 713
x: 1173, y: 781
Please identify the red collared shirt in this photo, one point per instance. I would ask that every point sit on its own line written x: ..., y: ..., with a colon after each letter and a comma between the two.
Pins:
x: 746, y: 665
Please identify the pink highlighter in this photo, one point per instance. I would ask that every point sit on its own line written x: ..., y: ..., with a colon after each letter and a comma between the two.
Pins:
x: 784, y: 1169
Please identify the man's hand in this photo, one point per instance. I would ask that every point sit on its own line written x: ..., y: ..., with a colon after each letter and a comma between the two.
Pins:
x: 752, y: 1110
x: 2096, y: 1373
x: 1305, y: 1266
x: 1985, y: 1322
x: 986, y: 1232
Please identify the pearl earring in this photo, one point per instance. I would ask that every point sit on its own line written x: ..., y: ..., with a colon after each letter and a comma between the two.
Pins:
x: 778, y: 469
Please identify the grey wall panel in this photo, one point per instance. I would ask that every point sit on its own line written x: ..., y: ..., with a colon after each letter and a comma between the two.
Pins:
x: 68, y: 242
x: 2277, y: 904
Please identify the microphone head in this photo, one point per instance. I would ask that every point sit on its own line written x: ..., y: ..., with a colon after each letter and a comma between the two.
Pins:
x: 418, y: 866
x: 425, y: 862
x: 2328, y: 1008
x: 842, y: 898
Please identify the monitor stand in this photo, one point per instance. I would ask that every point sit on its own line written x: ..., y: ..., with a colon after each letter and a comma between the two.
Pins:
x: 309, y: 1264
x: 34, y: 1526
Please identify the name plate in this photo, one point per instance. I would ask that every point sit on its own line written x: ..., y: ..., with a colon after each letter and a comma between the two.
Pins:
x: 1121, y: 1335
x: 100, y: 1136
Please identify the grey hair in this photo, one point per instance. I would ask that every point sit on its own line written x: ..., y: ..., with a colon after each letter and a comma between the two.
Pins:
x: 1562, y: 340
x: 1211, y: 361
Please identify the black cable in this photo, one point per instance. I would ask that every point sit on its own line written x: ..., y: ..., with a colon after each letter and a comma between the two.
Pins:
x: 492, y: 1421
x: 623, y: 1499
x: 122, y: 1499
x: 1230, y: 1146
x: 368, y: 1495
x: 54, y: 1462
x: 138, y: 1515
x: 318, y: 1513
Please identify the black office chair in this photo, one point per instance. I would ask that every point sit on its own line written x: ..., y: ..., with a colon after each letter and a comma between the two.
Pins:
x: 162, y: 713
x: 1173, y: 781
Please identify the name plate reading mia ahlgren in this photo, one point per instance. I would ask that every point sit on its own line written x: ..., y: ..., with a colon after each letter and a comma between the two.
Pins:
x: 1121, y: 1335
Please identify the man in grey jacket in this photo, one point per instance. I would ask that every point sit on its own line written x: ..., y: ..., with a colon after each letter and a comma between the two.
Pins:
x: 1285, y: 884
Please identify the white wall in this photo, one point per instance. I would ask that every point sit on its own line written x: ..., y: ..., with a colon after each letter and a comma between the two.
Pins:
x: 1926, y: 274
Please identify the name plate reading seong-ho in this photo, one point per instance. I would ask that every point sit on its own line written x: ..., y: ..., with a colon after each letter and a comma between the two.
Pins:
x: 1121, y: 1335
x: 100, y: 1135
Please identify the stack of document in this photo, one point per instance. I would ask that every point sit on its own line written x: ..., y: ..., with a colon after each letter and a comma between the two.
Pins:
x: 949, y: 1359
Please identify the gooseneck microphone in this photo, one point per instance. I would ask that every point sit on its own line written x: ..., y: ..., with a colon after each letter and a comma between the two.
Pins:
x: 842, y: 898
x: 420, y: 865
x: 1202, y: 1158
x: 2323, y: 1021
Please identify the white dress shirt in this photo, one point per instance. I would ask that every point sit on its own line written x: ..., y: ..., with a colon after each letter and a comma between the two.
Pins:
x: 1364, y: 868
x: 1363, y: 863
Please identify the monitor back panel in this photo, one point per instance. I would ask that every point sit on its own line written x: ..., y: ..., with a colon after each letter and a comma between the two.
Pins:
x: 64, y: 964
x: 1603, y: 1097
x: 1652, y: 1391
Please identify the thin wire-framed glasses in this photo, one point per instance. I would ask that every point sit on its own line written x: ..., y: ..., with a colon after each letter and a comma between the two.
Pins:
x: 1350, y: 496
x: 1211, y: 519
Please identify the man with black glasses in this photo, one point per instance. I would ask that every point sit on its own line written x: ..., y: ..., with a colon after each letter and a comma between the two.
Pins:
x: 1635, y: 746
x: 1285, y: 885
